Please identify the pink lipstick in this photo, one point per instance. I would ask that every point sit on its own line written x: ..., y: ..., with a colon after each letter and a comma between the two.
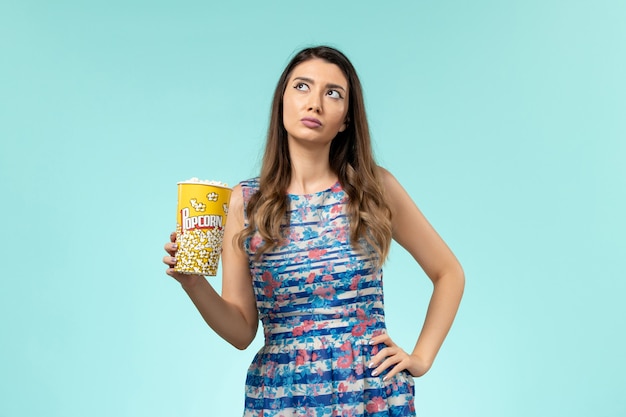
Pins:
x: 311, y: 122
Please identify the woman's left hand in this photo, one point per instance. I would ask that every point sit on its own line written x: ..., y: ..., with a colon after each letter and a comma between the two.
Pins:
x: 392, y: 356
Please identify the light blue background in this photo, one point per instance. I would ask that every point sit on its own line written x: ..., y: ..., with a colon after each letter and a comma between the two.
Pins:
x: 504, y: 120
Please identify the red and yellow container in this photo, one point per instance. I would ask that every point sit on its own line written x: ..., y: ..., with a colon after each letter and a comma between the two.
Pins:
x: 202, y: 214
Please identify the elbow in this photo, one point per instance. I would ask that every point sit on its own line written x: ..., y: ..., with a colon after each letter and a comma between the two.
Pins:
x: 242, y: 343
x: 459, y: 278
x: 453, y: 277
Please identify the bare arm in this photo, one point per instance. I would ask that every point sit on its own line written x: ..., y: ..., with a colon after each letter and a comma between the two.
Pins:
x: 413, y: 232
x: 233, y: 315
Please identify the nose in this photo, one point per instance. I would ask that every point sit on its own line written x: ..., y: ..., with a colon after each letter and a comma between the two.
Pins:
x: 315, y: 103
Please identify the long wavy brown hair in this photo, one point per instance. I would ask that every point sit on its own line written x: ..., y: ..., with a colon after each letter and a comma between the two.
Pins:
x: 351, y: 159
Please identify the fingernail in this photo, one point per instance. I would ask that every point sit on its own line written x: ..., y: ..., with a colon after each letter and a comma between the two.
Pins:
x: 174, y: 246
x: 173, y: 260
x: 374, y: 373
x: 385, y: 378
x: 370, y: 365
x: 371, y: 342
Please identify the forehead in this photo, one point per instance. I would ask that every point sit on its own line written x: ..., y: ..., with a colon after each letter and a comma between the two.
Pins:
x: 320, y: 71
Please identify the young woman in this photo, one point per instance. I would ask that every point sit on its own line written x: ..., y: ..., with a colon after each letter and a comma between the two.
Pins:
x: 303, y: 251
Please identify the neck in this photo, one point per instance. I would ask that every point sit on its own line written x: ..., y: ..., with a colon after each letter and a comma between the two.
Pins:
x: 310, y: 169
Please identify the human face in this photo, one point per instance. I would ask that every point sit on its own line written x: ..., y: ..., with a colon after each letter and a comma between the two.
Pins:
x: 315, y: 102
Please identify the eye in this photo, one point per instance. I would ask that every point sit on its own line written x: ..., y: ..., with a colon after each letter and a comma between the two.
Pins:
x: 334, y: 94
x: 301, y: 87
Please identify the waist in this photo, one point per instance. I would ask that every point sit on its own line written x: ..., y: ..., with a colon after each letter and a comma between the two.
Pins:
x: 321, y: 328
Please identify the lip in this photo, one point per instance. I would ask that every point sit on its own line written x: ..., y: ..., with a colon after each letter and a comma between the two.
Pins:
x: 311, y: 122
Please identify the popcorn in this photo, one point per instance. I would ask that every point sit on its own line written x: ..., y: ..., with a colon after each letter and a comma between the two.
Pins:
x: 202, y: 214
x: 195, y: 180
x: 199, y: 250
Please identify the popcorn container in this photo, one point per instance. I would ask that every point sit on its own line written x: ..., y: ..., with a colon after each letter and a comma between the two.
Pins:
x: 202, y: 213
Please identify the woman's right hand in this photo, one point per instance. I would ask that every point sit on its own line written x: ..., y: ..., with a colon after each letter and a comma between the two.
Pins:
x: 186, y: 280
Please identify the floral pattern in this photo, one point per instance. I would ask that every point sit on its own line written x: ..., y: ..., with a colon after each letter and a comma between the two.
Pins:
x: 320, y: 302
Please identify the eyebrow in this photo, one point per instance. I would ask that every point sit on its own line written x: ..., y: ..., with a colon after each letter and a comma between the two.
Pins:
x: 310, y: 80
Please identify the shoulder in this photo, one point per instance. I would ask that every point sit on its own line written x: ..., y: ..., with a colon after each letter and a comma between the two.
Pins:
x: 247, y: 188
x: 395, y: 195
x: 251, y: 183
x: 241, y: 195
x: 383, y: 175
x: 389, y: 183
x: 236, y: 204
